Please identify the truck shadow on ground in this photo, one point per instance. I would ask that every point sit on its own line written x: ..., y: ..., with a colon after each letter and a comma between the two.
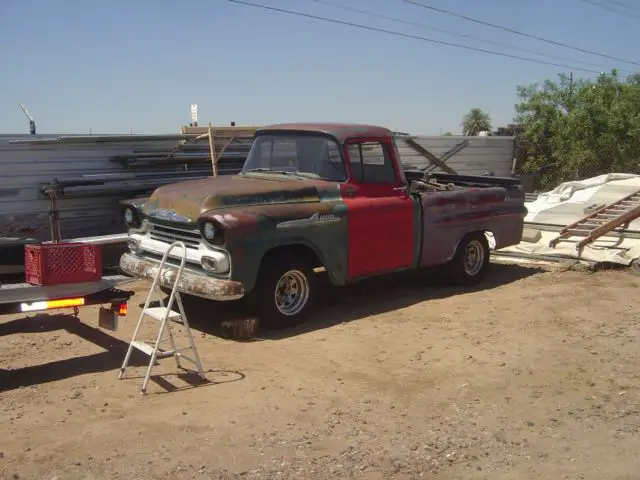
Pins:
x: 108, y: 360
x: 345, y: 304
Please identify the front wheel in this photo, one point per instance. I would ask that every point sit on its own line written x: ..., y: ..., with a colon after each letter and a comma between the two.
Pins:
x: 470, y: 262
x: 285, y: 291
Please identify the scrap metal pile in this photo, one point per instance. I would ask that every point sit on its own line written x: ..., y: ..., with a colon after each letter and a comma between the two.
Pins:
x: 147, y: 167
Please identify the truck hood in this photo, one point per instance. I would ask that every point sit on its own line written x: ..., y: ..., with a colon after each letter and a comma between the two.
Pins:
x: 186, y: 201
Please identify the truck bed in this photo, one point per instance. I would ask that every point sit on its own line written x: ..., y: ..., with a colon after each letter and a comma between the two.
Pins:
x: 456, y: 205
x: 462, y: 180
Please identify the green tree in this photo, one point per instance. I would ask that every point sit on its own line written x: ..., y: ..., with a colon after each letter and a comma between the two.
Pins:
x: 580, y: 129
x: 475, y: 121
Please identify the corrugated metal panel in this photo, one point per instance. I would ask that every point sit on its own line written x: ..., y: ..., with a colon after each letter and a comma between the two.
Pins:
x: 481, y: 155
x: 93, y: 209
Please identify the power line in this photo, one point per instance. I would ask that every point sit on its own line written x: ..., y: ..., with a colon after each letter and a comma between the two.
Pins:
x: 407, y: 35
x: 511, y: 30
x: 450, y: 32
x: 624, y: 5
x: 609, y: 8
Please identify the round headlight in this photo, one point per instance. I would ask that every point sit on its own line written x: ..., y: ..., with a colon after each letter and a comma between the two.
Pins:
x: 129, y: 217
x: 209, y: 231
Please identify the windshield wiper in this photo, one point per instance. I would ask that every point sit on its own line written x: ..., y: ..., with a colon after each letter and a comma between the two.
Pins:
x: 270, y: 170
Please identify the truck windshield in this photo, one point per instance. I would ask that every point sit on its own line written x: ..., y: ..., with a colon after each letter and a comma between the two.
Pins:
x: 303, y: 155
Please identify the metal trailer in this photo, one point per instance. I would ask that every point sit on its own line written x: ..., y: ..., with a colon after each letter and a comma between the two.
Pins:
x: 27, y: 298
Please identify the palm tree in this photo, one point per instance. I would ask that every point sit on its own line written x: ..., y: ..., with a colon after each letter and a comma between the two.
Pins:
x: 475, y: 121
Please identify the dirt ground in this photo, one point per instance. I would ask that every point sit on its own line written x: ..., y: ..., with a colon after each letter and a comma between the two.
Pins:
x: 534, y: 375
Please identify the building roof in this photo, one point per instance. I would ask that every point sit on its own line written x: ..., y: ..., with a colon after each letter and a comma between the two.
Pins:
x: 342, y: 131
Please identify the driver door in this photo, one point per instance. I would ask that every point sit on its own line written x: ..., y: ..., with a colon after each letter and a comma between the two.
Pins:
x: 380, y: 212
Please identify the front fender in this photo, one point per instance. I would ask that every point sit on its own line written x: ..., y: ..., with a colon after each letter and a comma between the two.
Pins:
x: 251, y: 233
x: 249, y: 270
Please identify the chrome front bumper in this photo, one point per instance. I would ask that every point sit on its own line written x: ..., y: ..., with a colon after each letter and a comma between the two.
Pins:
x: 193, y: 283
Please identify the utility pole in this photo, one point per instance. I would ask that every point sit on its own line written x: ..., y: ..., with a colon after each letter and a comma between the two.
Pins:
x: 570, y: 91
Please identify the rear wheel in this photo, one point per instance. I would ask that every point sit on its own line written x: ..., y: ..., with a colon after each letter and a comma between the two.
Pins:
x: 470, y: 262
x: 285, y: 290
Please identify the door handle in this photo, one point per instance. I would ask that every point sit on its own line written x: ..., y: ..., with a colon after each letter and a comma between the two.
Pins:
x: 349, y: 191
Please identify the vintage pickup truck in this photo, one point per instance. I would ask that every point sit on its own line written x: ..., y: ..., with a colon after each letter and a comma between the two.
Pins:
x: 319, y: 197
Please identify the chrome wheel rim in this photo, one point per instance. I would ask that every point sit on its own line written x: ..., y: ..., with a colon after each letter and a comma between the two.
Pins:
x: 292, y: 293
x: 473, y: 259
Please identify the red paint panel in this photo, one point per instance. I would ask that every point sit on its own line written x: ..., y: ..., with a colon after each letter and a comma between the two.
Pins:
x: 380, y: 224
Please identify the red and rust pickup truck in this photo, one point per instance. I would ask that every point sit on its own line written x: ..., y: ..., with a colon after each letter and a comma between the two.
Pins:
x: 315, y: 197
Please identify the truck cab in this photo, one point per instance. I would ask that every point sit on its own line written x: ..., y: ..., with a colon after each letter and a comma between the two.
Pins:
x: 316, y: 196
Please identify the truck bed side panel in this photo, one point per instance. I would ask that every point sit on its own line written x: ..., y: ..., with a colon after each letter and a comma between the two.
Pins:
x: 449, y: 216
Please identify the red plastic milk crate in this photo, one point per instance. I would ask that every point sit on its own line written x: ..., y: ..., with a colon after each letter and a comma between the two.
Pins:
x: 56, y: 263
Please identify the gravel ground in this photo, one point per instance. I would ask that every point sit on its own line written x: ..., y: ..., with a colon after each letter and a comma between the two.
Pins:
x: 534, y: 375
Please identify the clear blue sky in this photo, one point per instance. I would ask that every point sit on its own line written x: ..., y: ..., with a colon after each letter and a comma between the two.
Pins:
x: 137, y: 65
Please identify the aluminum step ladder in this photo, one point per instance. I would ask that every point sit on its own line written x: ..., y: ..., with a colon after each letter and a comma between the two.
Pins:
x: 166, y: 316
x: 601, y: 222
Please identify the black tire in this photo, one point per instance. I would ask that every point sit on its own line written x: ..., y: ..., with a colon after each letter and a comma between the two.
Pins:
x: 302, y: 278
x: 471, y: 260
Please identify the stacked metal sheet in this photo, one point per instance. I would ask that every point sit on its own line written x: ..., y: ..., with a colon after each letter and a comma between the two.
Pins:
x: 89, y: 175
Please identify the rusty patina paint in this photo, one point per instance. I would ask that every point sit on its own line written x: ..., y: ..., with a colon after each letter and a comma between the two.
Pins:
x: 449, y: 216
x: 252, y: 231
x: 250, y: 209
x: 193, y: 283
x: 191, y: 199
x: 340, y: 131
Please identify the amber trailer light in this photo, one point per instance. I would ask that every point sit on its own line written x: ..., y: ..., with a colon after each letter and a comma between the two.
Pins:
x: 122, y: 309
x: 51, y: 304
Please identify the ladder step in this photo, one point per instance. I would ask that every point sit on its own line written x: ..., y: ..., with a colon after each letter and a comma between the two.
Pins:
x: 147, y: 349
x: 159, y: 313
x: 142, y: 346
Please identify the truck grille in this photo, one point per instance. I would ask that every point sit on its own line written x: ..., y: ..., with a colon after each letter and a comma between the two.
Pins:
x: 163, y: 233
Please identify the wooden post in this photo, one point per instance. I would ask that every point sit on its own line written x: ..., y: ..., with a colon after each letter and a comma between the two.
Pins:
x: 212, y: 151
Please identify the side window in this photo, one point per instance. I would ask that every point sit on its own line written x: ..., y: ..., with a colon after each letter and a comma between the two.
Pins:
x: 371, y: 163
